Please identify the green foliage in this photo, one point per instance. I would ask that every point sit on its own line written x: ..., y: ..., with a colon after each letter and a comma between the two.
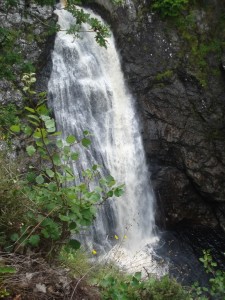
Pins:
x: 132, y: 287
x: 14, y: 205
x: 169, y: 8
x: 12, y: 56
x: 164, y: 75
x: 115, y: 284
x: 61, y: 208
x: 8, y: 117
x: 4, y: 293
x: 7, y: 270
x: 201, y: 41
x: 101, y: 30
x: 77, y: 261
x: 216, y: 288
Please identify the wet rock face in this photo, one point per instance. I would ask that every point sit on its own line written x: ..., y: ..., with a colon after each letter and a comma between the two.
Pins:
x: 32, y: 22
x: 182, y: 114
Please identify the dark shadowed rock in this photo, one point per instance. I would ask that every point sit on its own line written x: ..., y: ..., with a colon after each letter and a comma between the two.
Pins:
x: 180, y: 97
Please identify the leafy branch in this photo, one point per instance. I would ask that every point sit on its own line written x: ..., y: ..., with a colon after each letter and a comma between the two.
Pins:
x: 61, y: 206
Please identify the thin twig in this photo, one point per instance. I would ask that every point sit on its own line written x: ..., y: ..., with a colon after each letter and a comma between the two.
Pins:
x: 36, y: 227
x: 78, y: 282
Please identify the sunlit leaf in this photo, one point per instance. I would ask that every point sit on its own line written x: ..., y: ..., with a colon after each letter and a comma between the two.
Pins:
x: 40, y: 179
x: 30, y: 150
x: 70, y: 139
x: 15, y: 128
x: 85, y: 142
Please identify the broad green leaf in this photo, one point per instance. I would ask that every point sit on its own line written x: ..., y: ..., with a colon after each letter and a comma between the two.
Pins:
x: 52, y: 186
x: 57, y: 133
x: 95, y: 197
x: 40, y: 179
x: 31, y: 176
x: 66, y: 150
x: 30, y: 150
x: 42, y: 94
x: 37, y: 134
x: 34, y: 123
x: 29, y: 109
x: 137, y: 275
x: 73, y: 226
x: 69, y: 170
x: 51, y: 130
x: 110, y: 181
x: 27, y: 130
x: 45, y: 117
x: 56, y: 159
x: 85, y: 142
x: 74, y: 156
x: 93, y: 210
x: 50, y: 123
x: 110, y: 194
x: 59, y: 144
x: 135, y: 282
x: 74, y: 244
x: 15, y: 128
x: 86, y: 132
x: 45, y: 233
x: 50, y: 173
x: 14, y: 237
x: 118, y: 192
x: 64, y: 218
x: 42, y: 109
x: 34, y: 240
x: 70, y: 139
x: 39, y: 144
x: 42, y: 152
x: 26, y: 88
x: 34, y: 117
x: 95, y: 167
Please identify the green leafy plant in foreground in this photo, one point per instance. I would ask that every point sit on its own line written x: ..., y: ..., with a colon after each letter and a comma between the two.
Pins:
x: 216, y: 287
x: 59, y: 207
x: 132, y: 287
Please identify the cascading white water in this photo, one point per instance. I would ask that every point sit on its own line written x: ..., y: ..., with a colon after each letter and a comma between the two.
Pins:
x: 88, y: 92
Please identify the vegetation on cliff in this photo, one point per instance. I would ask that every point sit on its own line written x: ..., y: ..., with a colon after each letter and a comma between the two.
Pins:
x: 40, y: 212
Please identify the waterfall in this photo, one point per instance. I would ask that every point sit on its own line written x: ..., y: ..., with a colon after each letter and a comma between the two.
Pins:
x: 87, y: 92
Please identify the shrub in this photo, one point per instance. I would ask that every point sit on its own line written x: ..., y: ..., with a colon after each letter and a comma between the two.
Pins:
x: 14, y: 205
x: 8, y: 117
x: 133, y: 288
x: 216, y: 286
x: 171, y: 8
x: 61, y: 207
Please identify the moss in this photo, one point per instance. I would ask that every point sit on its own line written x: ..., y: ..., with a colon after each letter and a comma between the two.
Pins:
x: 159, y: 85
x: 200, y: 43
x: 164, y: 75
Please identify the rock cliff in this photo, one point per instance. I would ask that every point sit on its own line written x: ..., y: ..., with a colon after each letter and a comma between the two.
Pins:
x: 175, y: 70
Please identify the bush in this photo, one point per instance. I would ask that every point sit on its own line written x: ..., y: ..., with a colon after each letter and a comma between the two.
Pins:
x: 8, y: 117
x: 133, y: 288
x: 171, y: 8
x: 216, y: 286
x: 14, y: 205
